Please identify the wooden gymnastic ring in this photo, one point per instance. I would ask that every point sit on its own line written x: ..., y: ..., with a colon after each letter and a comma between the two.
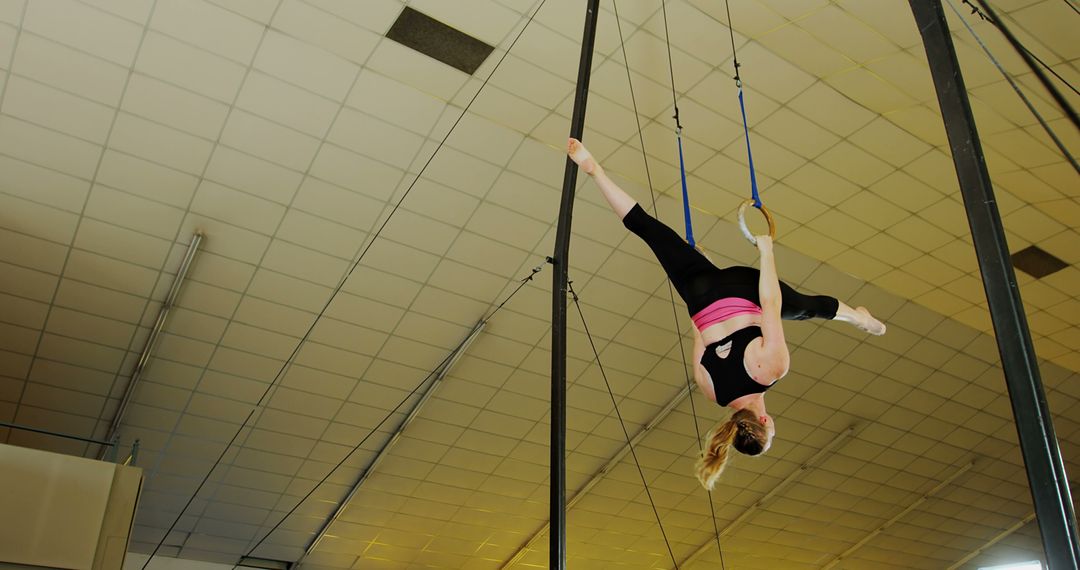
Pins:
x: 742, y: 221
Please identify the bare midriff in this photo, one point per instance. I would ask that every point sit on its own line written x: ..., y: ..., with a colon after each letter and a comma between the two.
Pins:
x: 725, y: 316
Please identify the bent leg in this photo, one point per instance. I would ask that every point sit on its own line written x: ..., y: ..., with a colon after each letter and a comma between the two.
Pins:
x: 800, y: 307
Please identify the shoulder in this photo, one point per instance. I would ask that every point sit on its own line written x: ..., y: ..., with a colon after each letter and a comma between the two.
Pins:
x: 764, y: 364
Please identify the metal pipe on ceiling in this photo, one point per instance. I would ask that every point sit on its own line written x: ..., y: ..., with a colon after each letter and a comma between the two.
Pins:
x: 384, y: 450
x: 997, y: 538
x: 599, y: 475
x: 155, y: 332
x: 843, y: 555
x: 814, y: 459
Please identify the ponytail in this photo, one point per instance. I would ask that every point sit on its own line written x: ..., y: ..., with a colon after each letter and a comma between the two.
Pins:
x: 743, y: 431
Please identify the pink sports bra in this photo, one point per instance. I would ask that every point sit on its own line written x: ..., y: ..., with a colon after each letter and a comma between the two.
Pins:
x: 724, y: 309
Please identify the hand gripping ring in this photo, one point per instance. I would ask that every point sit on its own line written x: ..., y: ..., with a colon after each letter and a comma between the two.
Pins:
x: 746, y: 230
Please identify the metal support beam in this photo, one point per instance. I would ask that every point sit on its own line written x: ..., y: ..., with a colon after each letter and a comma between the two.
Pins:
x: 814, y: 459
x: 1038, y: 442
x: 384, y: 451
x: 151, y: 341
x: 561, y: 262
x: 843, y: 555
x: 998, y: 538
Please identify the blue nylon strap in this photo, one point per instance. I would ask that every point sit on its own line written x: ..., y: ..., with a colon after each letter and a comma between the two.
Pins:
x: 685, y: 194
x: 749, y: 155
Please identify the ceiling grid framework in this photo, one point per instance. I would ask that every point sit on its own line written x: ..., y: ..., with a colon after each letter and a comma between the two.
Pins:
x: 287, y: 130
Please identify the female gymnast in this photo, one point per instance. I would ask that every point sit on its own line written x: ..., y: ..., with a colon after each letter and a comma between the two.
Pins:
x: 739, y: 347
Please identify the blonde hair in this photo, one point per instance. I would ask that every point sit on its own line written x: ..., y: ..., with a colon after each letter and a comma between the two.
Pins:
x: 743, y: 431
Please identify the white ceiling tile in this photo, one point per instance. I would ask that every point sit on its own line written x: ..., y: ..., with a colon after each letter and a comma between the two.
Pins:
x: 291, y: 106
x: 38, y: 220
x: 48, y: 107
x: 370, y: 136
x: 153, y: 181
x: 22, y: 312
x: 338, y: 204
x: 27, y: 282
x: 302, y: 64
x: 304, y: 263
x: 12, y: 12
x: 78, y: 352
x: 258, y: 10
x: 355, y: 172
x: 268, y: 140
x: 18, y: 339
x: 869, y: 90
x: 533, y: 83
x: 253, y: 175
x: 133, y: 212
x: 99, y: 301
x: 905, y: 191
x: 461, y: 171
x: 376, y: 15
x: 202, y: 72
x: 440, y: 202
x: 855, y: 164
x: 42, y: 185
x: 208, y: 27
x: 289, y: 291
x: 901, y: 148
x: 491, y: 254
x: 199, y: 326
x: 320, y: 234
x: 7, y: 45
x: 173, y: 106
x: 506, y: 226
x: 239, y: 208
x: 804, y: 50
x: 161, y: 144
x: 858, y: 41
x: 796, y: 133
x: 85, y: 28
x: 549, y: 50
x: 507, y: 109
x: 134, y: 10
x: 114, y: 274
x: 48, y: 148
x: 100, y: 330
x: 328, y: 31
x: 484, y: 139
x: 121, y: 243
x: 829, y: 108
x: 813, y: 180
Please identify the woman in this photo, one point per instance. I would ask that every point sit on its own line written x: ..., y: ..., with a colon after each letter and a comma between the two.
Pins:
x: 739, y: 347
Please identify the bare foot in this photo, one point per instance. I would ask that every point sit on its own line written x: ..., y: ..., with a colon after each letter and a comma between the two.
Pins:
x: 868, y: 323
x: 581, y: 156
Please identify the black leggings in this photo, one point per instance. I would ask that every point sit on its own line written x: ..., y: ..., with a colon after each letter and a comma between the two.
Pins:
x: 700, y: 283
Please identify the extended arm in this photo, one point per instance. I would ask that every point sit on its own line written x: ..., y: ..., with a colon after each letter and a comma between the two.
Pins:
x: 772, y: 360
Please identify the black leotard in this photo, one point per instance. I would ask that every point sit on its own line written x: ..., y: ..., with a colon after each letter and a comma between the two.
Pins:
x: 729, y: 376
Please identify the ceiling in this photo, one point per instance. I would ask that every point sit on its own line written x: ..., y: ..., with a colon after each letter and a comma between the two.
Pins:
x: 290, y: 133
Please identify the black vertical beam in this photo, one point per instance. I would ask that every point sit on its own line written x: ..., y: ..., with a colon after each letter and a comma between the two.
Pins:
x: 561, y: 261
x: 1038, y: 444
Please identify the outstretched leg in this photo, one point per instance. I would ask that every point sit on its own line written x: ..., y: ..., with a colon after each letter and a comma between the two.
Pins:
x: 621, y: 202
